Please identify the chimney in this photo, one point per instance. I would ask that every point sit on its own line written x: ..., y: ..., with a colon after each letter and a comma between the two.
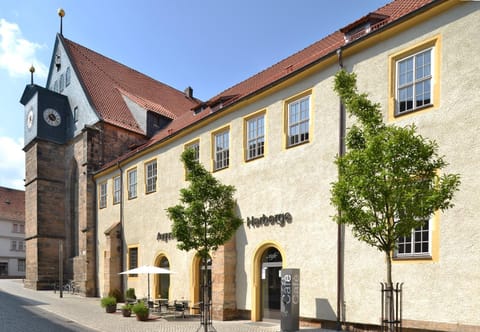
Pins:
x: 188, y: 92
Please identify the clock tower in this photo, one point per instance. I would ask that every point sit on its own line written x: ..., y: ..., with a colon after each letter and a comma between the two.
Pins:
x: 47, y: 119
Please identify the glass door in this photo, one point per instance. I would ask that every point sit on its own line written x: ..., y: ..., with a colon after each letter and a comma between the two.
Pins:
x: 271, y: 266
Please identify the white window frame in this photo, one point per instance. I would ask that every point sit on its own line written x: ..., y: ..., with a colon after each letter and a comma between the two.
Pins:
x: 13, y: 245
x: 255, y: 139
x: 221, y: 149
x: 195, y: 146
x: 414, y: 241
x: 151, y: 176
x: 412, y: 85
x: 21, y: 265
x: 103, y: 195
x: 117, y: 190
x: 298, y: 117
x: 132, y: 183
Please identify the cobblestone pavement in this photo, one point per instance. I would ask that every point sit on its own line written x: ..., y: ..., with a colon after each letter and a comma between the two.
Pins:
x: 87, y: 312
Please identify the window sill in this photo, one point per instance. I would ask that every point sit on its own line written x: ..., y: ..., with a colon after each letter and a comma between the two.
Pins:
x: 220, y: 169
x: 425, y: 257
x: 418, y: 109
x: 297, y: 144
x: 254, y: 158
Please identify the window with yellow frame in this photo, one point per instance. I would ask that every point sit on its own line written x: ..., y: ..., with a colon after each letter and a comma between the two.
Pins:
x: 195, y: 146
x: 414, y: 78
x: 297, y: 114
x: 132, y: 259
x: 151, y: 176
x: 102, y: 201
x: 221, y: 148
x: 254, y: 136
x: 132, y: 183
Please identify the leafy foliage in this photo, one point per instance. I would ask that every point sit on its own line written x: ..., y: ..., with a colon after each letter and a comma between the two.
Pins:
x: 108, y: 301
x: 205, y: 217
x: 389, y: 179
x: 140, y: 308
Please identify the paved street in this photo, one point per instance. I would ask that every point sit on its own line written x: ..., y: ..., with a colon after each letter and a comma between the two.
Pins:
x: 38, y: 311
x: 21, y: 315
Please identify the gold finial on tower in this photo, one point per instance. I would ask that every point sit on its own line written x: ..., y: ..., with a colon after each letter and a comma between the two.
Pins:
x: 32, y: 70
x: 61, y: 13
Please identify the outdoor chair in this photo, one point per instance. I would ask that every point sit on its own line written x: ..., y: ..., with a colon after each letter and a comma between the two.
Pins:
x: 179, y: 308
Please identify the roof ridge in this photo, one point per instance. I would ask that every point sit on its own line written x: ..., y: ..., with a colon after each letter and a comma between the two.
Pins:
x: 81, y: 50
x: 123, y: 65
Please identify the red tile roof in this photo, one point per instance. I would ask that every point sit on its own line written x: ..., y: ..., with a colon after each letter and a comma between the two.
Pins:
x: 315, y: 52
x: 107, y: 81
x: 12, y: 204
x: 391, y: 13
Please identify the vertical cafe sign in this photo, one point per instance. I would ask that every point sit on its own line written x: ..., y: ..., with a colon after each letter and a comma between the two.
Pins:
x: 290, y: 304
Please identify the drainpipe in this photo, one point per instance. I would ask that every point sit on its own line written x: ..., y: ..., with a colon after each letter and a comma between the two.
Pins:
x: 122, y: 232
x: 340, y: 227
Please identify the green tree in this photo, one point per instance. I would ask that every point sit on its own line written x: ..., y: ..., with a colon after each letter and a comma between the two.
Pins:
x: 205, y: 218
x: 389, y: 180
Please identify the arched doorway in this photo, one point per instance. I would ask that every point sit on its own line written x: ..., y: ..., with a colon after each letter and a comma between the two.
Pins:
x: 162, y: 281
x: 270, y: 284
x: 198, y: 266
x: 268, y: 262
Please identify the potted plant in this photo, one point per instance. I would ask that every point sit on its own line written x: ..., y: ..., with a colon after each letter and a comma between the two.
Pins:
x: 130, y: 296
x: 126, y: 310
x: 109, y: 303
x: 141, y: 311
x: 117, y: 294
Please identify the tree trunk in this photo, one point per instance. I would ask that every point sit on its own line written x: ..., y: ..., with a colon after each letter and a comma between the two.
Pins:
x: 389, y: 302
x: 205, y: 295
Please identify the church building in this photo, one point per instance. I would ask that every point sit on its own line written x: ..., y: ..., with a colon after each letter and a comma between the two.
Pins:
x: 103, y: 145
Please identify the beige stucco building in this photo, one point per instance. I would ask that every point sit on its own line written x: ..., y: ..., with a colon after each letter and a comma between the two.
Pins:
x: 274, y: 137
x: 439, y: 282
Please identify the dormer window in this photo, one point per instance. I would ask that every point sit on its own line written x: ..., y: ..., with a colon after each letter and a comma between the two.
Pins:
x: 363, y: 26
x: 156, y: 122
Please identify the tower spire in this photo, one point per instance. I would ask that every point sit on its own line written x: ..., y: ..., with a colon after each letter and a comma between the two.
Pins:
x: 32, y: 70
x: 61, y: 13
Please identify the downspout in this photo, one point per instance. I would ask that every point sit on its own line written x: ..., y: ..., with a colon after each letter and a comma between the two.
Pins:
x: 95, y: 234
x: 340, y: 227
x: 122, y: 233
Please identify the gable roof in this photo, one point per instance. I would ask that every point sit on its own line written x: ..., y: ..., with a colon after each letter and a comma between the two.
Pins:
x: 384, y: 17
x: 106, y: 82
x: 12, y: 204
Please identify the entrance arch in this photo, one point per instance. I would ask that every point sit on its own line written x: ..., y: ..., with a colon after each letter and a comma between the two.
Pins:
x: 162, y: 281
x: 196, y: 289
x: 269, y: 258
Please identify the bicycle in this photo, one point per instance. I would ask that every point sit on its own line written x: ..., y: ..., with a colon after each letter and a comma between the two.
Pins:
x: 70, y: 287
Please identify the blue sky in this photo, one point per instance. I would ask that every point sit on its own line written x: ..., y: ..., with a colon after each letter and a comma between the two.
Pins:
x: 209, y: 45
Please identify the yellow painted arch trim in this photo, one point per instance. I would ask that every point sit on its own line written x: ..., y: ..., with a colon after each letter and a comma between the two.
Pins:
x: 256, y: 313
x: 156, y: 283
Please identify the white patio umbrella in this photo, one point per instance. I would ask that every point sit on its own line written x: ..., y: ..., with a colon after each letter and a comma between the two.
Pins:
x: 148, y: 269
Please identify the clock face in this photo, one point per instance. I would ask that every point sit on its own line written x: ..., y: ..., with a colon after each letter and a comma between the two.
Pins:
x: 30, y: 118
x: 52, y: 117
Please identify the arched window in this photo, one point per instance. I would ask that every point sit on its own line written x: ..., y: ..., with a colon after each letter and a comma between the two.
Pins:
x: 163, y: 287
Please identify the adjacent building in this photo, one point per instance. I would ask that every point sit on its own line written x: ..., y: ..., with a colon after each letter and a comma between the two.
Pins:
x: 12, y: 233
x: 103, y: 146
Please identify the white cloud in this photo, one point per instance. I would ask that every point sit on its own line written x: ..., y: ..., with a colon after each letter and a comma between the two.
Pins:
x: 18, y: 54
x: 12, y: 163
